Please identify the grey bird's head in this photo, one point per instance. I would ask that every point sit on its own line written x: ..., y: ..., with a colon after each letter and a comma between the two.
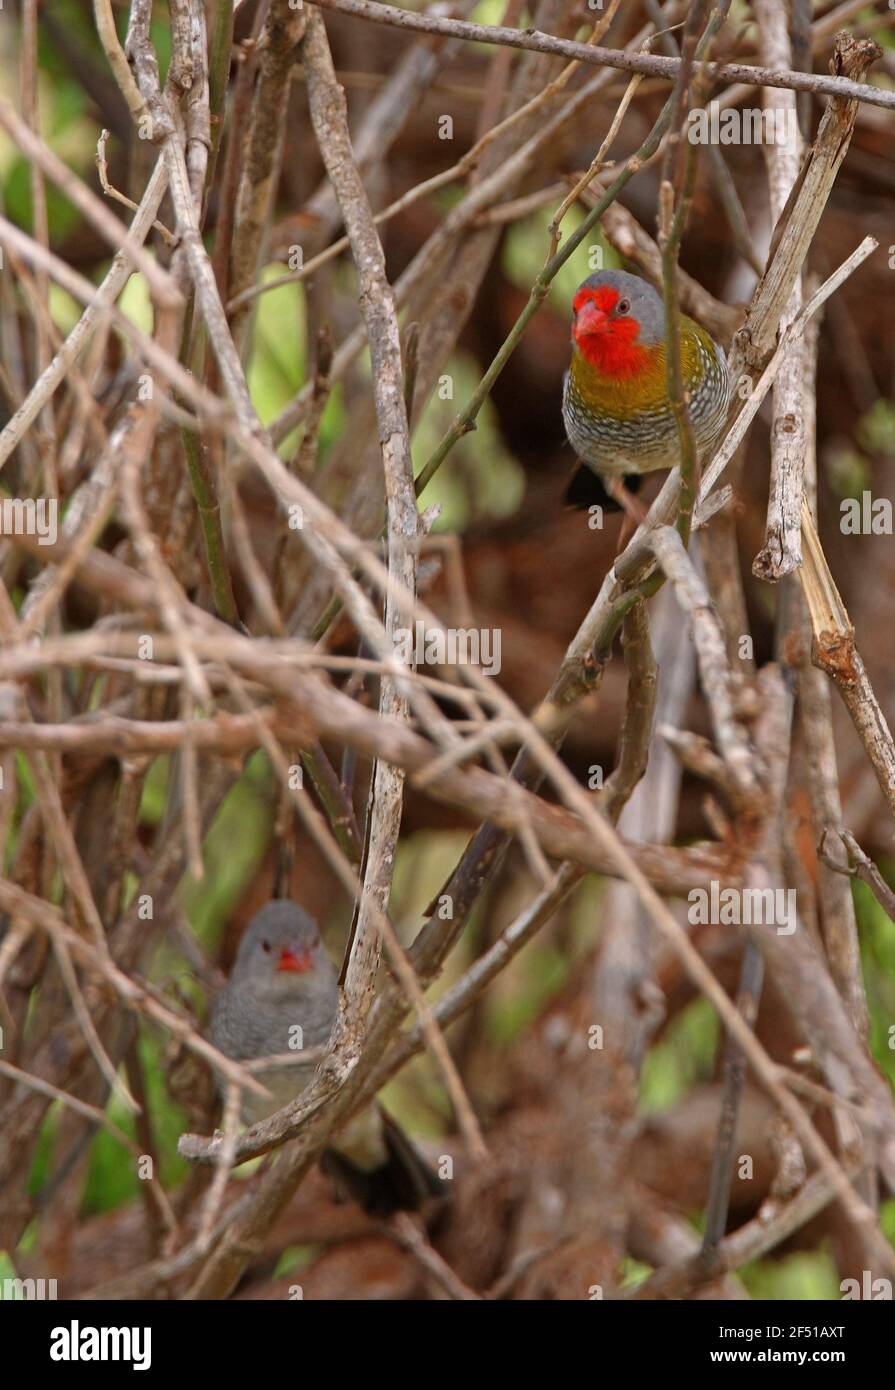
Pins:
x: 281, y: 956
x: 612, y: 301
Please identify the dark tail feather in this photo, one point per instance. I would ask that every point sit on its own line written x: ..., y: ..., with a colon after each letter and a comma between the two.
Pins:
x: 403, y: 1183
x: 586, y: 490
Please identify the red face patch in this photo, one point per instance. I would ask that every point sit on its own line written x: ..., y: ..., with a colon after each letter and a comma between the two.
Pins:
x: 606, y: 338
x: 298, y: 961
x: 604, y: 298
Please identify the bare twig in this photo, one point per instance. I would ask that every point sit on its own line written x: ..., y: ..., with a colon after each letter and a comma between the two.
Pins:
x: 648, y: 64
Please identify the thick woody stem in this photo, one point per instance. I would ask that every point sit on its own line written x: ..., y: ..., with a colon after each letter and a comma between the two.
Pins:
x: 835, y: 652
x: 782, y: 551
x: 329, y: 118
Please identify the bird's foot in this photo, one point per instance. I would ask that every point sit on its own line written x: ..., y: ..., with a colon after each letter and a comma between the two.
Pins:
x: 634, y: 514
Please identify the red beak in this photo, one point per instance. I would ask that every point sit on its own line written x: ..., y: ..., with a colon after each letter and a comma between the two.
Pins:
x: 590, y: 320
x: 297, y: 961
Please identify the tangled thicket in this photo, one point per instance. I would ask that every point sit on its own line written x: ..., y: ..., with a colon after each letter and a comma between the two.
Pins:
x: 284, y: 303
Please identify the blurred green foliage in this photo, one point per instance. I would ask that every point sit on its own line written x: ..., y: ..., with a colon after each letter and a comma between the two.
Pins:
x: 525, y: 252
x: 278, y: 364
x: 684, y: 1056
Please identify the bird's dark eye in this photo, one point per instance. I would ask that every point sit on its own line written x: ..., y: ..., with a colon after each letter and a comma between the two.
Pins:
x: 624, y: 306
x: 265, y: 946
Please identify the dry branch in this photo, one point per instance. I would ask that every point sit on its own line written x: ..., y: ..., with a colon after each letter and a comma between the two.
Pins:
x: 647, y: 64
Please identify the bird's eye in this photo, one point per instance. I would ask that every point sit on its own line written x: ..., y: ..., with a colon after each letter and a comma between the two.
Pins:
x: 624, y: 306
x: 265, y: 946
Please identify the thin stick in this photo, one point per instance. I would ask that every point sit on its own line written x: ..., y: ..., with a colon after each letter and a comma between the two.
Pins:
x: 648, y: 64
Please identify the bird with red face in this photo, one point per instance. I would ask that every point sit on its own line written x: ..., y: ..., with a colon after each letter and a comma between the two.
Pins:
x: 616, y: 409
x: 283, y: 995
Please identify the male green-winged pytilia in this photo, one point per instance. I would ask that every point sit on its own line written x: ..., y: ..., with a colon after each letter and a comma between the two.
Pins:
x: 615, y: 404
x: 282, y: 979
